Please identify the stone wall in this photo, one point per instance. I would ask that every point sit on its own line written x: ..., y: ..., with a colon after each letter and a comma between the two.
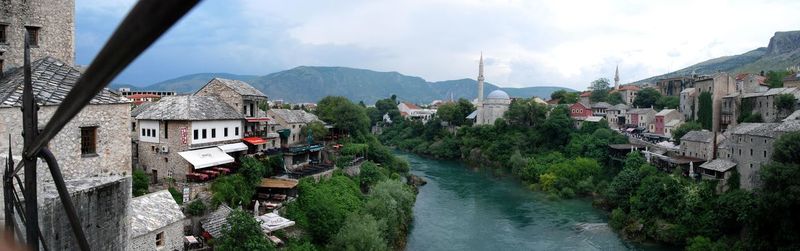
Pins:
x: 173, y: 239
x: 750, y: 152
x: 113, y: 140
x: 169, y: 164
x: 694, y: 149
x: 103, y: 206
x: 56, y: 19
x: 224, y: 93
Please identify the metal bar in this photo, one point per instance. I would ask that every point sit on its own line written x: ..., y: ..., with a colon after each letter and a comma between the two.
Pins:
x: 66, y: 200
x: 18, y: 205
x: 146, y: 22
x: 29, y: 130
x: 8, y: 186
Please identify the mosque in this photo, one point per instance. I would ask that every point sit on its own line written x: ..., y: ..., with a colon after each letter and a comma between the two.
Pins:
x: 491, y: 108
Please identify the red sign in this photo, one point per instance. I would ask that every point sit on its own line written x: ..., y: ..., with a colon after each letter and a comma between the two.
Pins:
x: 184, y: 131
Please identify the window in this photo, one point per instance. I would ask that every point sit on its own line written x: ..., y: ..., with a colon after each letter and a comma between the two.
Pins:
x: 213, y: 133
x: 133, y: 124
x: 225, y: 132
x: 3, y: 34
x: 33, y: 35
x: 166, y: 129
x: 204, y: 134
x: 765, y: 154
x: 160, y: 239
x: 236, y: 131
x: 1, y: 67
x: 751, y: 152
x: 88, y: 140
x: 166, y: 159
x: 143, y: 132
x: 195, y: 133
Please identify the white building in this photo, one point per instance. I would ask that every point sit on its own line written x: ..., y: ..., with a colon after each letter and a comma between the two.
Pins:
x: 495, y: 105
x: 413, y: 112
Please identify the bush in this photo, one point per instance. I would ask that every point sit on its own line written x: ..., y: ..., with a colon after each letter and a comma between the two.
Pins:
x: 178, y: 196
x: 359, y: 232
x: 618, y: 219
x: 391, y: 203
x: 140, y: 183
x: 196, y: 208
x: 242, y: 232
x: 324, y: 206
x: 234, y: 190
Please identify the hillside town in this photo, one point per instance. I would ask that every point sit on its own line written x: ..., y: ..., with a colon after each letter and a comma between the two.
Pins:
x: 229, y: 166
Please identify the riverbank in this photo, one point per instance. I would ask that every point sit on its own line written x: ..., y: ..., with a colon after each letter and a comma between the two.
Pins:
x: 463, y: 208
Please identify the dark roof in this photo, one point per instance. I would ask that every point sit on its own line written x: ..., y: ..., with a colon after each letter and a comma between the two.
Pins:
x: 189, y: 108
x: 239, y: 87
x: 52, y: 80
x: 756, y: 129
x: 153, y: 211
x: 719, y: 165
x: 140, y: 108
x: 216, y: 220
x: 704, y: 136
x: 294, y: 116
x: 601, y: 105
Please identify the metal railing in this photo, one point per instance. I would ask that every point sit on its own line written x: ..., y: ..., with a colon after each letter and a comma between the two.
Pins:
x: 144, y: 24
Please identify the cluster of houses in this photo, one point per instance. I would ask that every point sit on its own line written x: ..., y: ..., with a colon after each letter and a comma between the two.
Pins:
x: 181, y: 141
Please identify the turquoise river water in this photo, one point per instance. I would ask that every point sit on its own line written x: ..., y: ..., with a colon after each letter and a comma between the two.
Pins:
x: 463, y: 208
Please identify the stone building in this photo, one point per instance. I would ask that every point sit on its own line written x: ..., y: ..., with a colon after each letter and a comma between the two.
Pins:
x: 616, y: 115
x: 181, y: 134
x: 698, y: 144
x: 493, y: 107
x: 294, y: 121
x: 667, y: 120
x: 792, y: 81
x: 749, y: 83
x: 687, y: 103
x: 259, y: 129
x: 600, y: 108
x: 156, y: 222
x: 51, y: 25
x: 641, y: 117
x: 674, y: 86
x: 580, y: 111
x: 751, y: 147
x: 93, y: 151
x: 764, y: 103
x: 628, y: 93
x: 719, y: 85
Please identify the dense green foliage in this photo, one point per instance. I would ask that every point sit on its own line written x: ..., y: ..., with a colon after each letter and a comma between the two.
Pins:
x: 391, y: 203
x: 785, y: 102
x: 140, y: 183
x: 668, y: 102
x: 242, y: 232
x: 456, y: 113
x: 196, y: 208
x: 233, y: 190
x: 565, y: 97
x: 775, y: 78
x: 615, y: 98
x: 345, y: 115
x: 647, y: 97
x: 705, y: 110
x: 360, y: 232
x: 317, y: 131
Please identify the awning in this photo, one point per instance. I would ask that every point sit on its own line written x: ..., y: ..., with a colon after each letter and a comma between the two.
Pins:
x: 277, y: 183
x: 254, y: 140
x: 207, y: 157
x: 235, y: 147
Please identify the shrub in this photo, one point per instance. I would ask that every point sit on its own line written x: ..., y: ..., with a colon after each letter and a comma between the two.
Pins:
x: 196, y: 208
x: 178, y: 196
x: 140, y: 183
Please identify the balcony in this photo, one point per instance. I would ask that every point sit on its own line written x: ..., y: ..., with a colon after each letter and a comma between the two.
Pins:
x: 261, y: 134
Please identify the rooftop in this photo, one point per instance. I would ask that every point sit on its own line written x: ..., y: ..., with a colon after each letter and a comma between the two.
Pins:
x: 52, y: 80
x: 720, y: 165
x: 756, y: 129
x: 294, y: 116
x: 153, y: 211
x: 619, y: 107
x: 239, y: 87
x: 601, y: 105
x: 216, y: 220
x: 641, y: 110
x: 189, y: 108
x: 704, y: 136
x: 411, y: 105
x: 664, y: 112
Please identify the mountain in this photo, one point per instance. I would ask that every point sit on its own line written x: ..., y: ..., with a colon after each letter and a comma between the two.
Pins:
x: 312, y: 83
x: 186, y: 84
x: 782, y: 52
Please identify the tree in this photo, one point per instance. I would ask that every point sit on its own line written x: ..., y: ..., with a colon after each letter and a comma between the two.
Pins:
x: 564, y: 96
x: 615, y: 98
x: 599, y: 96
x: 525, y: 113
x: 787, y: 148
x: 775, y: 78
x: 140, y: 183
x: 600, y: 84
x: 558, y: 94
x: 668, y: 102
x: 234, y: 190
x: 785, y: 103
x: 391, y: 203
x: 196, y: 208
x: 370, y: 174
x: 455, y: 113
x: 359, y: 232
x: 344, y: 115
x: 252, y: 170
x: 705, y: 110
x: 647, y: 97
x: 323, y: 207
x: 684, y: 128
x: 242, y: 232
x: 318, y: 131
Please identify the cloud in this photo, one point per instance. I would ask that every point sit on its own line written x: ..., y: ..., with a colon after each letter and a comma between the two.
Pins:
x: 525, y: 43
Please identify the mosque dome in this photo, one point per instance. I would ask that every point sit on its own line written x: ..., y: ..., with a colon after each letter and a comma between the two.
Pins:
x: 498, y: 94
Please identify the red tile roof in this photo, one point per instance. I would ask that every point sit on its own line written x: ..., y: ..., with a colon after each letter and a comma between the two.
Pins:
x: 411, y: 106
x: 586, y: 94
x: 629, y: 88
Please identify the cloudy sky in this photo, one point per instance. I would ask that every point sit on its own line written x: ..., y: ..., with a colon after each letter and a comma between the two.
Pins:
x: 525, y: 43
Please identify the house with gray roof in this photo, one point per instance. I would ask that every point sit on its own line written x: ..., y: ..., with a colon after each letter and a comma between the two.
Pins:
x: 615, y: 115
x: 92, y: 150
x: 156, y: 222
x: 216, y: 220
x: 179, y: 135
x: 718, y: 169
x: 247, y: 100
x: 294, y: 121
x: 641, y: 117
x: 698, y: 144
x: 764, y: 103
x: 751, y: 146
x: 600, y: 108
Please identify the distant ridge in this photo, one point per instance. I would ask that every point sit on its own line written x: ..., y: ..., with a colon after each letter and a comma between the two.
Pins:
x: 312, y: 83
x: 783, y: 51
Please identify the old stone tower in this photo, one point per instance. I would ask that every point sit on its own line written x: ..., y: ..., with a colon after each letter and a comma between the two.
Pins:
x: 50, y: 23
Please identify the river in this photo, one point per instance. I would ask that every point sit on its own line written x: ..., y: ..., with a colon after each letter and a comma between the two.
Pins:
x: 463, y: 208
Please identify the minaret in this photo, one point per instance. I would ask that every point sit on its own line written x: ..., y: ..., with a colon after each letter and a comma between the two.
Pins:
x: 616, y: 78
x: 480, y: 81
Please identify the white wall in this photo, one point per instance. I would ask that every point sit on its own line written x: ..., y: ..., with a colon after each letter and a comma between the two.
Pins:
x: 219, y: 126
x: 149, y: 131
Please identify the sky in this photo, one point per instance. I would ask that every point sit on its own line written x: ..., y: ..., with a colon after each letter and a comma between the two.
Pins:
x: 524, y: 43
